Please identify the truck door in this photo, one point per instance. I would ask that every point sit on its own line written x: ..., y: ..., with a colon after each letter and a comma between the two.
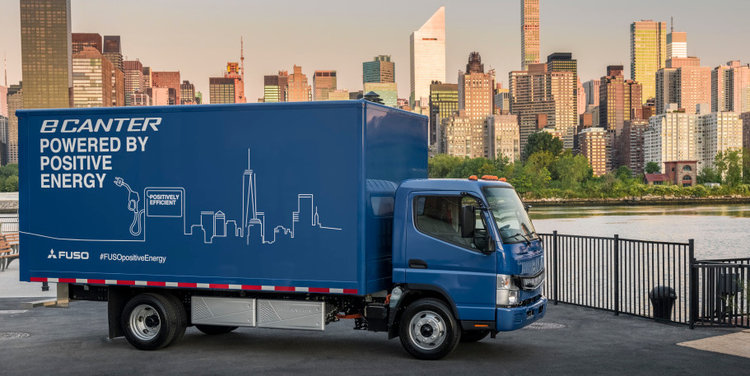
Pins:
x: 438, y: 256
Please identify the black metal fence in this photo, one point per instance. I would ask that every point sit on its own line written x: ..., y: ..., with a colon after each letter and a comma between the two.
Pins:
x: 622, y: 275
x: 722, y: 292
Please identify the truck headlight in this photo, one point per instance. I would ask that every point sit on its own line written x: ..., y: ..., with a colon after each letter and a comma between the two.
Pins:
x: 507, y: 291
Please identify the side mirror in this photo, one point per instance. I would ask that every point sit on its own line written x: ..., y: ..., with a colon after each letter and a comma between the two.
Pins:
x: 527, y: 207
x: 468, y: 222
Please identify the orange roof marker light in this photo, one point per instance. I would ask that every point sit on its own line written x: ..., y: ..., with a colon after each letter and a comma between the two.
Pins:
x: 473, y: 177
x: 489, y: 177
x: 503, y: 179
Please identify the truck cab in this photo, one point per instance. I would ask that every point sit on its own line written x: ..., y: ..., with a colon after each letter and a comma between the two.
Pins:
x: 469, y: 245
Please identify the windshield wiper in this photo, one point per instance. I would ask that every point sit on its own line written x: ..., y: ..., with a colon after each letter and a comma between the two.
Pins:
x: 525, y: 238
x: 529, y: 233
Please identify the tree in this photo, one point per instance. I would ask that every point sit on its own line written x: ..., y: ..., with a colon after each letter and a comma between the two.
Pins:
x: 708, y: 175
x: 542, y: 141
x: 624, y: 173
x: 571, y: 170
x: 10, y: 184
x: 474, y: 166
x: 653, y: 168
x: 729, y: 166
x: 441, y: 165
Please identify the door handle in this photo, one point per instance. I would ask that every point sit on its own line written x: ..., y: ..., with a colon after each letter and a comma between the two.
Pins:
x: 417, y: 264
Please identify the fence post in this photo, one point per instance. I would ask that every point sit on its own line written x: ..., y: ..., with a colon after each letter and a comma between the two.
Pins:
x: 693, y: 283
x: 554, y: 264
x: 616, y: 259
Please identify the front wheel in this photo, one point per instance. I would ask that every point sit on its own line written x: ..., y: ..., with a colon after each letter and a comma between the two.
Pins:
x: 428, y: 329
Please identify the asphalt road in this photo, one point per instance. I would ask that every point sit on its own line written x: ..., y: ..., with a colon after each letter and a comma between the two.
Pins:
x: 569, y: 341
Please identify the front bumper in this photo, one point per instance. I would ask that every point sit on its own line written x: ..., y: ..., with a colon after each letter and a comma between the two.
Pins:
x: 517, y: 317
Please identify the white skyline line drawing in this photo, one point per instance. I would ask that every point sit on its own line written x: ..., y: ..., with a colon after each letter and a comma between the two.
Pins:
x: 215, y: 221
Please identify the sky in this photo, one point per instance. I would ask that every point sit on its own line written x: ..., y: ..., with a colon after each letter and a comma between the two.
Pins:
x: 199, y: 37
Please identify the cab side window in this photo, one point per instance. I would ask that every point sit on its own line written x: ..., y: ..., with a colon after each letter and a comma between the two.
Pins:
x: 438, y: 216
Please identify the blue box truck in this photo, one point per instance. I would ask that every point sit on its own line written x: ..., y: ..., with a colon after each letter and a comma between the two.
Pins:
x: 278, y: 215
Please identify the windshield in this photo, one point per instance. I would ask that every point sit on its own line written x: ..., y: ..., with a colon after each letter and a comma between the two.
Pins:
x: 510, y: 216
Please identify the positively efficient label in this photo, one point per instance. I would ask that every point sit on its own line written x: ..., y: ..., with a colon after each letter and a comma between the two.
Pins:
x: 164, y: 202
x: 70, y: 162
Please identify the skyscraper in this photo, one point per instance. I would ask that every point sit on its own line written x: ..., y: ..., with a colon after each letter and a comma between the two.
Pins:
x: 730, y: 87
x: 592, y: 92
x: 502, y: 139
x: 462, y: 136
x: 476, y: 89
x: 544, y: 99
x: 386, y: 90
x: 529, y: 33
x: 564, y: 62
x: 630, y: 145
x: 324, y: 81
x: 46, y: 54
x: 427, y: 57
x: 619, y: 99
x: 187, y: 92
x: 686, y: 85
x: 443, y: 104
x: 381, y: 69
x: 133, y: 71
x: 676, y: 44
x: 4, y: 94
x: 648, y: 53
x: 92, y: 79
x: 170, y: 81
x: 221, y: 90
x: 15, y: 102
x: 671, y: 137
x: 592, y: 143
x: 234, y: 72
x: 299, y: 90
x: 80, y: 40
x: 112, y: 50
x: 275, y: 87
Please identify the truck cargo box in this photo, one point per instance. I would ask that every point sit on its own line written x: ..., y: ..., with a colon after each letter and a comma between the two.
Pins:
x: 293, y: 197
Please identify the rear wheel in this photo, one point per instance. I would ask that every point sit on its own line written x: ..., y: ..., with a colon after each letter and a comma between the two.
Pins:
x: 473, y: 335
x: 151, y: 321
x: 215, y: 329
x: 428, y: 329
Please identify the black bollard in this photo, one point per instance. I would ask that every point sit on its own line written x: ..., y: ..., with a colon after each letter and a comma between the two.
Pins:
x: 662, y: 300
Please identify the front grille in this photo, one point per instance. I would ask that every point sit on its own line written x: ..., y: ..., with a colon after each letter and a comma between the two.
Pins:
x: 530, y: 283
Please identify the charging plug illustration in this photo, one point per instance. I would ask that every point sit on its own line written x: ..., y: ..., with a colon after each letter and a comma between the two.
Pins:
x: 134, y: 199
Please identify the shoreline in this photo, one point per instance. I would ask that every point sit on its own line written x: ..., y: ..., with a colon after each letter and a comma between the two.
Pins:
x: 646, y: 200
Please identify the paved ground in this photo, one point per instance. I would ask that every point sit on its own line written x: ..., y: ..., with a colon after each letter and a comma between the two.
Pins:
x: 576, y: 341
x: 733, y: 344
x: 10, y: 287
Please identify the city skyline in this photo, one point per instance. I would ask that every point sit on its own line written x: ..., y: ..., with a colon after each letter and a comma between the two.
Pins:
x: 494, y: 34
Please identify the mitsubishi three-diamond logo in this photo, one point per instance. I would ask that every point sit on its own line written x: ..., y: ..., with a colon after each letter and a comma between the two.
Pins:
x: 51, y: 254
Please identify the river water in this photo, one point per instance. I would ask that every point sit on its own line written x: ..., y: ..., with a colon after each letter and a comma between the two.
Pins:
x: 720, y: 231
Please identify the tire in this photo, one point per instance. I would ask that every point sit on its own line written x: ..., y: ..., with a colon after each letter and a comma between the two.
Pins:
x: 182, y: 318
x: 428, y: 329
x: 473, y: 335
x: 215, y: 329
x: 151, y: 321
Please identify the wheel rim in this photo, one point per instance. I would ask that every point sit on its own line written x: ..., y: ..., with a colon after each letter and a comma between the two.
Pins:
x: 145, y: 322
x: 427, y: 330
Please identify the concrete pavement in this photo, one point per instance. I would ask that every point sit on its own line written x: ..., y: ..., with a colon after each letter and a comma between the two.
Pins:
x: 11, y: 287
x: 569, y: 341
